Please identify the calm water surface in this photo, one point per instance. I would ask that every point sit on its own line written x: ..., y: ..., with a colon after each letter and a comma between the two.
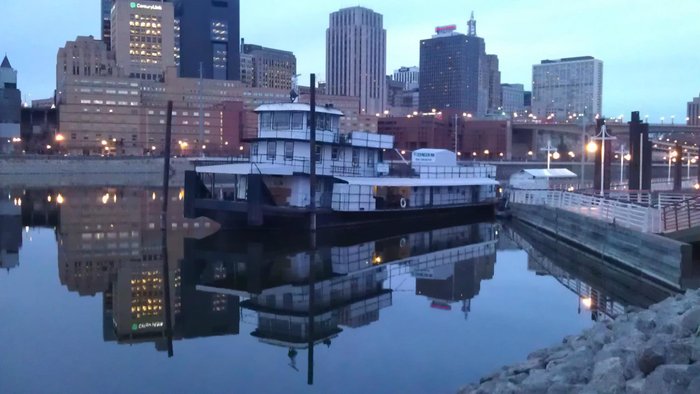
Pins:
x: 91, y: 303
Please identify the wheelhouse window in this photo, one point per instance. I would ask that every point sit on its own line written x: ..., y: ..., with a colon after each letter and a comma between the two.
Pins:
x: 319, y: 153
x: 254, y: 149
x: 266, y: 121
x: 288, y: 150
x: 271, y: 150
x: 281, y: 121
x: 335, y: 153
x: 370, y: 158
x: 297, y: 120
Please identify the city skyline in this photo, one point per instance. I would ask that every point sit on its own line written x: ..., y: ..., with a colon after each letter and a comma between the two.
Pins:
x: 647, y: 69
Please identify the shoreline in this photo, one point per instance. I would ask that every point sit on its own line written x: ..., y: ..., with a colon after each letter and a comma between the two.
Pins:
x: 654, y: 350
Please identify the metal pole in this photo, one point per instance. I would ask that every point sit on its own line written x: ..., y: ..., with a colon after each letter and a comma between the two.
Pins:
x: 641, y: 159
x: 622, y: 162
x: 201, y: 109
x: 312, y: 154
x: 688, y: 158
x: 549, y: 153
x: 602, y: 162
x: 668, y: 179
x: 583, y: 152
x: 456, y: 134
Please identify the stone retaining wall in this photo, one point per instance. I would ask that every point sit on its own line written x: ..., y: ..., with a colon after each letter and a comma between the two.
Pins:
x: 650, y: 351
x: 77, y: 171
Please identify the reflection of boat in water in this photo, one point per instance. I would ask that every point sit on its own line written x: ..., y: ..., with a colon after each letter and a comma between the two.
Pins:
x: 302, y: 296
x: 353, y: 183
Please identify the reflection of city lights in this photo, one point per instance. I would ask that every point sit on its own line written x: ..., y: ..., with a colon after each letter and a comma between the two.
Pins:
x: 60, y: 199
x: 587, y: 302
x: 114, y: 198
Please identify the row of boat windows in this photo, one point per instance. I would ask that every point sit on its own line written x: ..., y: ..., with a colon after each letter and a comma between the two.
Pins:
x: 295, y: 121
x: 336, y: 153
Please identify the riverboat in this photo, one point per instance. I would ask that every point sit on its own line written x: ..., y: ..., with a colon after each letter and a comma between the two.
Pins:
x: 355, y: 184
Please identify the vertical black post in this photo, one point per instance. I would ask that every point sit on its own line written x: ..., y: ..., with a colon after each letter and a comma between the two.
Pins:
x: 312, y: 154
x: 678, y: 168
x: 312, y: 309
x: 636, y: 151
x: 164, y: 230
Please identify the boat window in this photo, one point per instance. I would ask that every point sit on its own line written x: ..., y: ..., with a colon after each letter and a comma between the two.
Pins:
x: 289, y: 150
x: 297, y: 120
x: 266, y: 121
x: 281, y: 121
x: 322, y: 122
x: 319, y: 153
x: 370, y: 158
x: 355, y: 157
x: 335, y: 153
x: 271, y: 150
x: 334, y: 123
x: 254, y: 149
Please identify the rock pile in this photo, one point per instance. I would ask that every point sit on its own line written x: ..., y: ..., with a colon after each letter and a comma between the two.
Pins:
x: 644, y: 351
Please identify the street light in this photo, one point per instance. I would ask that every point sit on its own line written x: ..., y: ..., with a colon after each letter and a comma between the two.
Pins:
x: 556, y: 155
x: 592, y: 147
x: 602, y: 137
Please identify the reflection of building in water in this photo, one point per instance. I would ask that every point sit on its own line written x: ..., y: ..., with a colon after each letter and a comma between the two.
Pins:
x: 10, y: 231
x: 110, y: 242
x: 298, y: 304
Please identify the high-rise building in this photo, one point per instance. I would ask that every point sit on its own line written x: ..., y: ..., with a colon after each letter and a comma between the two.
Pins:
x: 106, y: 22
x: 266, y: 67
x: 356, y: 57
x: 85, y: 56
x: 567, y: 86
x: 512, y: 98
x: 410, y: 77
x: 143, y: 38
x: 694, y: 112
x: 209, y: 38
x: 493, y: 80
x: 10, y: 107
x: 451, y: 76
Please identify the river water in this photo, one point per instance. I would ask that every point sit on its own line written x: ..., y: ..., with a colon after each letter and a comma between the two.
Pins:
x: 95, y: 298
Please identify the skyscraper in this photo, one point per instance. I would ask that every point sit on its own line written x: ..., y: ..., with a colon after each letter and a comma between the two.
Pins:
x: 451, y: 71
x: 566, y: 87
x: 106, y: 13
x: 209, y: 35
x: 512, y: 98
x: 409, y: 76
x: 143, y: 38
x: 493, y: 81
x: 694, y: 112
x: 10, y: 107
x: 356, y: 57
x: 266, y: 67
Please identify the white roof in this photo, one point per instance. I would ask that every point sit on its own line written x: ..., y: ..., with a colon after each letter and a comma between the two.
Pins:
x: 551, y: 173
x: 247, y: 168
x: 296, y: 107
x: 410, y: 182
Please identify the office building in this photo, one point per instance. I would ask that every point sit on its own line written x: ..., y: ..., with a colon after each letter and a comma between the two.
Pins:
x: 143, y: 38
x: 86, y: 56
x: 10, y: 107
x: 209, y: 36
x: 566, y: 87
x: 492, y: 77
x: 266, y: 67
x: 694, y: 112
x: 451, y: 71
x: 409, y: 76
x: 356, y: 57
x: 512, y: 98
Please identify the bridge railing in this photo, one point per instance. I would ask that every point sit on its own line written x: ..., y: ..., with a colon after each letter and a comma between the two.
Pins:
x: 626, y: 214
x: 681, y: 215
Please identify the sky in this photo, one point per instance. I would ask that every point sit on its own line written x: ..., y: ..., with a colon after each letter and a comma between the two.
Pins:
x: 650, y: 49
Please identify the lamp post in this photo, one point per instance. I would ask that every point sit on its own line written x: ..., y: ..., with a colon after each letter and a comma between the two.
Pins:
x: 603, y: 137
x: 623, y: 156
x: 549, y: 149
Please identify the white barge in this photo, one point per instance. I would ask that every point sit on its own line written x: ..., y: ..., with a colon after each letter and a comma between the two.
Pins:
x: 354, y: 183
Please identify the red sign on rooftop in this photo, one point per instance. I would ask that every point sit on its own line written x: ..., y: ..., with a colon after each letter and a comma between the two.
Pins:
x: 444, y: 29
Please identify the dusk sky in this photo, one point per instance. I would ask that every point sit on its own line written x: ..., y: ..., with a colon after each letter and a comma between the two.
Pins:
x: 649, y: 48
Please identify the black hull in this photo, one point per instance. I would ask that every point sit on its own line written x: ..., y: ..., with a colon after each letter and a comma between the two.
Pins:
x: 234, y: 216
